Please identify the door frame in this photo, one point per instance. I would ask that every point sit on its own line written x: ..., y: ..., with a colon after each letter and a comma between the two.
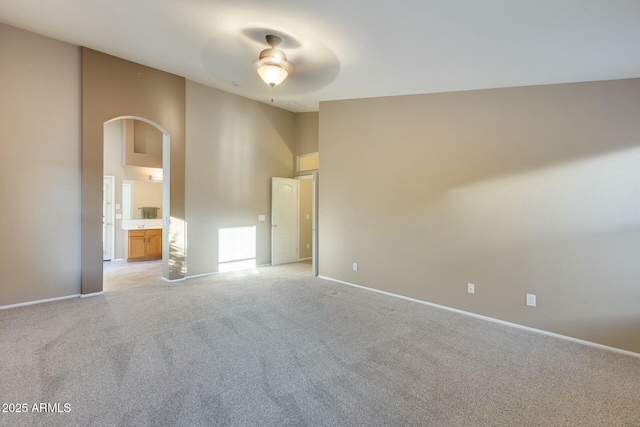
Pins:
x: 166, y: 190
x: 112, y: 246
x: 314, y: 220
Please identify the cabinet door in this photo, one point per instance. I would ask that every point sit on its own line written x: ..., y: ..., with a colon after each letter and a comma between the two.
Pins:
x: 154, y: 243
x: 137, y: 246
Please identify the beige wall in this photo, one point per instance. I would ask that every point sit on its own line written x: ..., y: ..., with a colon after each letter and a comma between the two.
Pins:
x: 309, y: 162
x: 306, y: 224
x: 40, y: 173
x: 306, y: 133
x: 146, y: 194
x: 520, y: 190
x: 112, y: 88
x: 234, y: 147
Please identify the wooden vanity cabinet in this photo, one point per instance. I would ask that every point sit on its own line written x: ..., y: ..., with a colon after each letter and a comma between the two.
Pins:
x: 145, y: 245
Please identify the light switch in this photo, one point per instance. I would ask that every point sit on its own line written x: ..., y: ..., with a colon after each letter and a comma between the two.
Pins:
x: 117, y: 206
x: 531, y: 300
x: 262, y: 218
x: 307, y: 216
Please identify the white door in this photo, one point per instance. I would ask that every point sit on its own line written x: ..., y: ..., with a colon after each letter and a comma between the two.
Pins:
x: 107, y: 218
x: 284, y: 220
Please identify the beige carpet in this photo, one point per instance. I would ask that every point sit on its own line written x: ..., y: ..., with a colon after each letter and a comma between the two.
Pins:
x: 277, y: 347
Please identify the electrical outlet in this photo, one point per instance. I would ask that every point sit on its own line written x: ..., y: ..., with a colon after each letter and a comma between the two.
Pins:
x: 355, y: 266
x: 531, y: 300
x: 471, y: 288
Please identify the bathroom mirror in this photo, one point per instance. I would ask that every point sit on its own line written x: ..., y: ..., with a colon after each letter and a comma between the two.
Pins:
x: 141, y: 199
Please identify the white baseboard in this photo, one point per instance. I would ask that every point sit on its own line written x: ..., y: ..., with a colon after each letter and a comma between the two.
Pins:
x: 41, y: 301
x: 94, y: 294
x: 491, y: 319
x: 217, y: 272
x: 201, y: 275
x: 173, y: 280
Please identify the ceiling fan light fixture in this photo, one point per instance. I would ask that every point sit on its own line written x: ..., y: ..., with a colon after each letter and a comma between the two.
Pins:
x: 272, y: 74
x: 274, y: 67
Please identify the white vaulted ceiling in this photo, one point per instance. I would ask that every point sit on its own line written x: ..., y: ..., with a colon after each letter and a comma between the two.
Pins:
x: 344, y: 49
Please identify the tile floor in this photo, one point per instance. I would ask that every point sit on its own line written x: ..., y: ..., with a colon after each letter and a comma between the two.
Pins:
x: 118, y: 275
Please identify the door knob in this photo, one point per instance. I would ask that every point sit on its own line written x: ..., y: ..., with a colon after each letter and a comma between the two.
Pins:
x: 275, y: 225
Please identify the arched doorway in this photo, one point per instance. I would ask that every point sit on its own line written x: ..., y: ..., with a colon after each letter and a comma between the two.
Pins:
x: 137, y: 157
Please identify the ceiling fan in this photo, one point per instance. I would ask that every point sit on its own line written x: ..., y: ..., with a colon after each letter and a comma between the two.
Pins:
x: 303, y: 64
x: 273, y: 66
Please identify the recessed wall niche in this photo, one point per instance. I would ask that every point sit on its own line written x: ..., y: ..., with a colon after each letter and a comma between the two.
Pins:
x: 142, y: 144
